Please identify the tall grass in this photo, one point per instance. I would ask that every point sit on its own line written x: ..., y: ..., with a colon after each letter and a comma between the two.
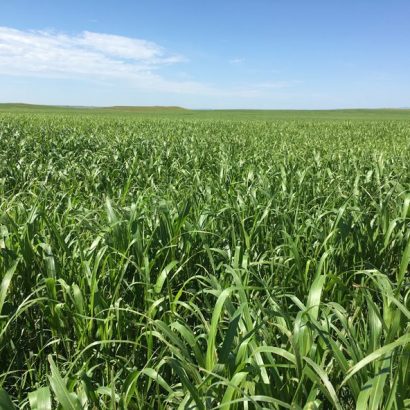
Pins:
x: 204, y: 264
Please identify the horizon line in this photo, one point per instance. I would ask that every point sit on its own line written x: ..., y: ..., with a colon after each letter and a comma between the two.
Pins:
x: 177, y: 107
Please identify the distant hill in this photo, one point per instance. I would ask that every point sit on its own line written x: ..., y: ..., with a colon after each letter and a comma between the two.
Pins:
x: 25, y: 106
x: 145, y: 108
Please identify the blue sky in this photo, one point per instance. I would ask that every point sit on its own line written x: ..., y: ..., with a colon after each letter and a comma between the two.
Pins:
x: 206, y: 54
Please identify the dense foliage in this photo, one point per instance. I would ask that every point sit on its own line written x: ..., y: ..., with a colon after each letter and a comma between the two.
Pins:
x: 204, y: 264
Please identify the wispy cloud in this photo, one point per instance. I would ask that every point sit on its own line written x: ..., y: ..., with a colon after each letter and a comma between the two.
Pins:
x: 107, y: 57
x: 236, y: 60
x: 276, y: 85
x: 88, y: 54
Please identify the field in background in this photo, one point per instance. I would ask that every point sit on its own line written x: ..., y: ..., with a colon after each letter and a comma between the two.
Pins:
x: 204, y: 259
x: 238, y: 115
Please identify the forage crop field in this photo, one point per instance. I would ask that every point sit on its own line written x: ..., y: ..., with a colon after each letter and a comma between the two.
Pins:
x: 193, y: 263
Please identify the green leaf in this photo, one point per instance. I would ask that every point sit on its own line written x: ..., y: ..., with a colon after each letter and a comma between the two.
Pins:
x: 363, y: 398
x: 40, y: 399
x: 5, y: 284
x: 210, y: 358
x: 163, y: 275
x: 233, y: 386
x: 229, y: 338
x: 276, y: 351
x: 315, y: 294
x: 78, y: 299
x: 401, y: 341
x: 405, y: 260
x: 326, y: 382
x: 5, y: 401
x: 379, y: 382
x: 154, y: 375
x: 68, y: 400
x: 176, y: 365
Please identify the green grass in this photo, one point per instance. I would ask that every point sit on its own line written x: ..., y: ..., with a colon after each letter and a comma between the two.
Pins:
x: 232, y: 115
x: 174, y: 261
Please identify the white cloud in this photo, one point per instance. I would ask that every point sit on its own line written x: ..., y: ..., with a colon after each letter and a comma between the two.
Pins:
x: 96, y: 55
x: 125, y: 47
x: 124, y: 61
x: 237, y: 60
x: 276, y: 85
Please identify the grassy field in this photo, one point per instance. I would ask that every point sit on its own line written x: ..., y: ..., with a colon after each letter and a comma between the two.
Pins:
x: 237, y: 115
x: 204, y: 259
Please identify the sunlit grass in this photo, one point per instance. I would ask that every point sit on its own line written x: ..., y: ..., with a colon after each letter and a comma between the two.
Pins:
x: 204, y: 264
